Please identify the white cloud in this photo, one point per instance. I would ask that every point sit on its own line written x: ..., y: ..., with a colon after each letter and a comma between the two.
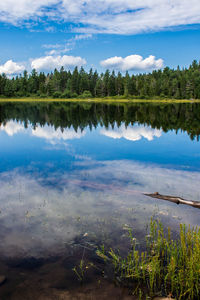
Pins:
x: 79, y: 37
x: 13, y: 11
x: 106, y: 16
x: 50, y: 62
x: 135, y: 133
x: 133, y: 62
x: 11, y: 68
x: 55, y: 52
x: 51, y: 46
x: 58, y: 49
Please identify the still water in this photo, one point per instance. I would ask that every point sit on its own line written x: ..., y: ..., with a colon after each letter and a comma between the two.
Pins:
x: 73, y: 177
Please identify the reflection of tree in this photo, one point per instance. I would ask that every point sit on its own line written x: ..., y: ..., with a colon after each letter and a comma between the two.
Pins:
x: 185, y: 117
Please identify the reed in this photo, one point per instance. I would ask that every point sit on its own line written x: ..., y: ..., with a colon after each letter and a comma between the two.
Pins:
x: 80, y: 270
x: 166, y: 267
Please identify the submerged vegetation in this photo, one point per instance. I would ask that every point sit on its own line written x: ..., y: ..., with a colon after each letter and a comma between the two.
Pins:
x: 167, y: 267
x: 167, y: 83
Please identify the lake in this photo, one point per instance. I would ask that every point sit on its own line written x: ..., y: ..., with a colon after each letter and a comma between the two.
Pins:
x: 73, y: 177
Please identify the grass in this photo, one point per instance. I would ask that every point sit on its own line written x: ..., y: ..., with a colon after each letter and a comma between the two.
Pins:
x: 167, y: 267
x: 98, y: 100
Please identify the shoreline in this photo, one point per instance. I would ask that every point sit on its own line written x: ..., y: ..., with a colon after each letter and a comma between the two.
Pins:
x: 98, y: 100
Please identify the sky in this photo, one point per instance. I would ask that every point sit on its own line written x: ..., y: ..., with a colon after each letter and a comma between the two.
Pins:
x: 122, y: 35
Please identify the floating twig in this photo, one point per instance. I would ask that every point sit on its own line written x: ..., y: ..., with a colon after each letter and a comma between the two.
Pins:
x: 177, y: 200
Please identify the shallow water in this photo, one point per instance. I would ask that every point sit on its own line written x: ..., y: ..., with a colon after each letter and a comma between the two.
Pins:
x: 73, y: 177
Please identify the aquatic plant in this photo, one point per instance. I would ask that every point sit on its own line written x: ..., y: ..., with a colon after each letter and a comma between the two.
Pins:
x: 166, y: 267
x: 80, y: 270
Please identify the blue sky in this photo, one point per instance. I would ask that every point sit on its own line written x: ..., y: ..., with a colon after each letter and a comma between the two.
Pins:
x: 115, y: 34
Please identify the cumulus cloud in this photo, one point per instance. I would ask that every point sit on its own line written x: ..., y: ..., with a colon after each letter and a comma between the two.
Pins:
x: 106, y: 16
x: 50, y: 62
x: 11, y: 68
x: 133, y: 62
x: 132, y: 133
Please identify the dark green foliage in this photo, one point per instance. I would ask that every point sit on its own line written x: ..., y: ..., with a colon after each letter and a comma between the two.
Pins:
x: 86, y: 94
x: 57, y: 94
x: 166, y: 83
x: 74, y: 95
x: 66, y: 94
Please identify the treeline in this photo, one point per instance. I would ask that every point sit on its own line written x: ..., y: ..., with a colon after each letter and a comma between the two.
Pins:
x: 178, y: 116
x: 167, y: 83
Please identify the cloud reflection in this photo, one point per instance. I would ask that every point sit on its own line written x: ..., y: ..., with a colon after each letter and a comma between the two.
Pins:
x: 52, y: 135
x: 135, y: 133
x: 46, y: 132
x: 41, y: 213
x: 12, y: 128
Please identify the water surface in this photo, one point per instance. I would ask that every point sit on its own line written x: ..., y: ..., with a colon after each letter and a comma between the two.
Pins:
x: 73, y: 177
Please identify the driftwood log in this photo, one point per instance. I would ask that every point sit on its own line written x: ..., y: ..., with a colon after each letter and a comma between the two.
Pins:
x: 177, y: 200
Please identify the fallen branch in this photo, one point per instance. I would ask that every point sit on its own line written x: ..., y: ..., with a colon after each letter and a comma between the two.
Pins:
x: 177, y: 200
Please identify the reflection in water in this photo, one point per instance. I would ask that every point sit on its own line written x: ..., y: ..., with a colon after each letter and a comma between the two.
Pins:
x: 132, y: 133
x: 46, y: 132
x: 183, y: 116
x: 59, y: 200
x: 42, y: 217
x: 49, y: 133
x: 12, y: 127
